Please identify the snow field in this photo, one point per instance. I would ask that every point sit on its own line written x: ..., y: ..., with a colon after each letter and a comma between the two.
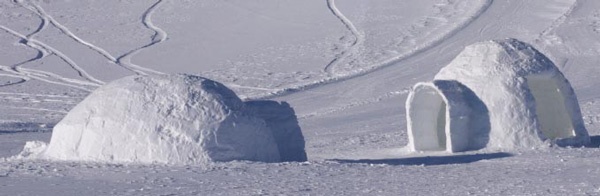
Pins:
x: 354, y: 127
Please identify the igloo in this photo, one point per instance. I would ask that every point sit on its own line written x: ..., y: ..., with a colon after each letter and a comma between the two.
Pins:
x: 500, y: 94
x: 169, y: 119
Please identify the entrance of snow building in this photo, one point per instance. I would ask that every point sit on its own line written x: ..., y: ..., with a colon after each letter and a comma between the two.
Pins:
x: 551, y: 110
x: 427, y: 119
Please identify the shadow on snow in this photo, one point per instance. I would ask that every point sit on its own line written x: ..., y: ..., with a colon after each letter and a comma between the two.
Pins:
x: 430, y: 160
x: 25, y: 127
x: 594, y: 142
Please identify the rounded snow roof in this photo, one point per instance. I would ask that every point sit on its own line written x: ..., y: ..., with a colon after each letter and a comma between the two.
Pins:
x: 527, y: 97
x: 173, y: 119
x: 507, y: 57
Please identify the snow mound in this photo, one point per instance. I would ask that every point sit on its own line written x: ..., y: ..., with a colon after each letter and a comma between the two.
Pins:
x: 500, y: 94
x: 170, y: 119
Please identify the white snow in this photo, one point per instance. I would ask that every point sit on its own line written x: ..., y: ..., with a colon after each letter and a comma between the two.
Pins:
x: 170, y: 119
x: 342, y: 65
x: 518, y: 98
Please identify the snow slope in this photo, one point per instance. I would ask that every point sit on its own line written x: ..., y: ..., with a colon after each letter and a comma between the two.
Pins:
x: 345, y: 66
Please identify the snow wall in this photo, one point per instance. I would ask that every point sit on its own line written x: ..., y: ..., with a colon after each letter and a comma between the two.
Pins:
x: 446, y: 115
x: 171, y: 119
x: 500, y: 94
x: 281, y: 119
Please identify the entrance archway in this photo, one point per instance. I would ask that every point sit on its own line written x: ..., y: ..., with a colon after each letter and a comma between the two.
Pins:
x: 551, y: 111
x: 427, y: 114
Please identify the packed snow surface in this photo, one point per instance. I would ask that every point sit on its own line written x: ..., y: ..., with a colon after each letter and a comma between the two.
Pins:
x: 173, y: 119
x: 502, y: 94
x: 346, y: 67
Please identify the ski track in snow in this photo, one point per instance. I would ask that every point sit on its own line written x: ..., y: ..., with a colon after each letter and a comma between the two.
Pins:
x: 41, y: 52
x: 42, y: 75
x: 247, y: 87
x: 548, y: 37
x: 158, y: 37
x: 383, y: 64
x: 568, y: 171
x: 348, y: 51
x: 36, y: 95
x: 123, y: 61
x: 46, y: 18
x: 36, y: 109
x: 22, y: 79
x: 559, y: 21
x: 44, y: 50
x: 33, y: 98
x: 15, y: 74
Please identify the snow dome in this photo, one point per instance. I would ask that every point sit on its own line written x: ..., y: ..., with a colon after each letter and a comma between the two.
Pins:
x: 500, y: 94
x: 172, y: 119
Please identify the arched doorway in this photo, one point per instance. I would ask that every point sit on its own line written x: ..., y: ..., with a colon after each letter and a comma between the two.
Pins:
x: 551, y: 110
x: 427, y: 119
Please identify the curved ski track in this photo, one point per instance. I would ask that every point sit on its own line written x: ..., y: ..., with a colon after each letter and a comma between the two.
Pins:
x: 22, y: 79
x: 48, y: 19
x: 44, y: 50
x: 123, y: 61
x: 377, y: 66
x: 39, y: 75
x: 158, y: 37
x: 358, y: 38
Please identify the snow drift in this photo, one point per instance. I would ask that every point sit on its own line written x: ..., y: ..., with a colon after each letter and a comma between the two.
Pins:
x: 500, y: 94
x: 172, y: 119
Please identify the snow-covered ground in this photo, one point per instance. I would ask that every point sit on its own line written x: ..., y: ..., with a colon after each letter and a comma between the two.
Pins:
x: 344, y: 65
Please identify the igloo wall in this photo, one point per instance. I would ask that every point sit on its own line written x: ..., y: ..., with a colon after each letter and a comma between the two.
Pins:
x: 170, y: 119
x: 281, y: 119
